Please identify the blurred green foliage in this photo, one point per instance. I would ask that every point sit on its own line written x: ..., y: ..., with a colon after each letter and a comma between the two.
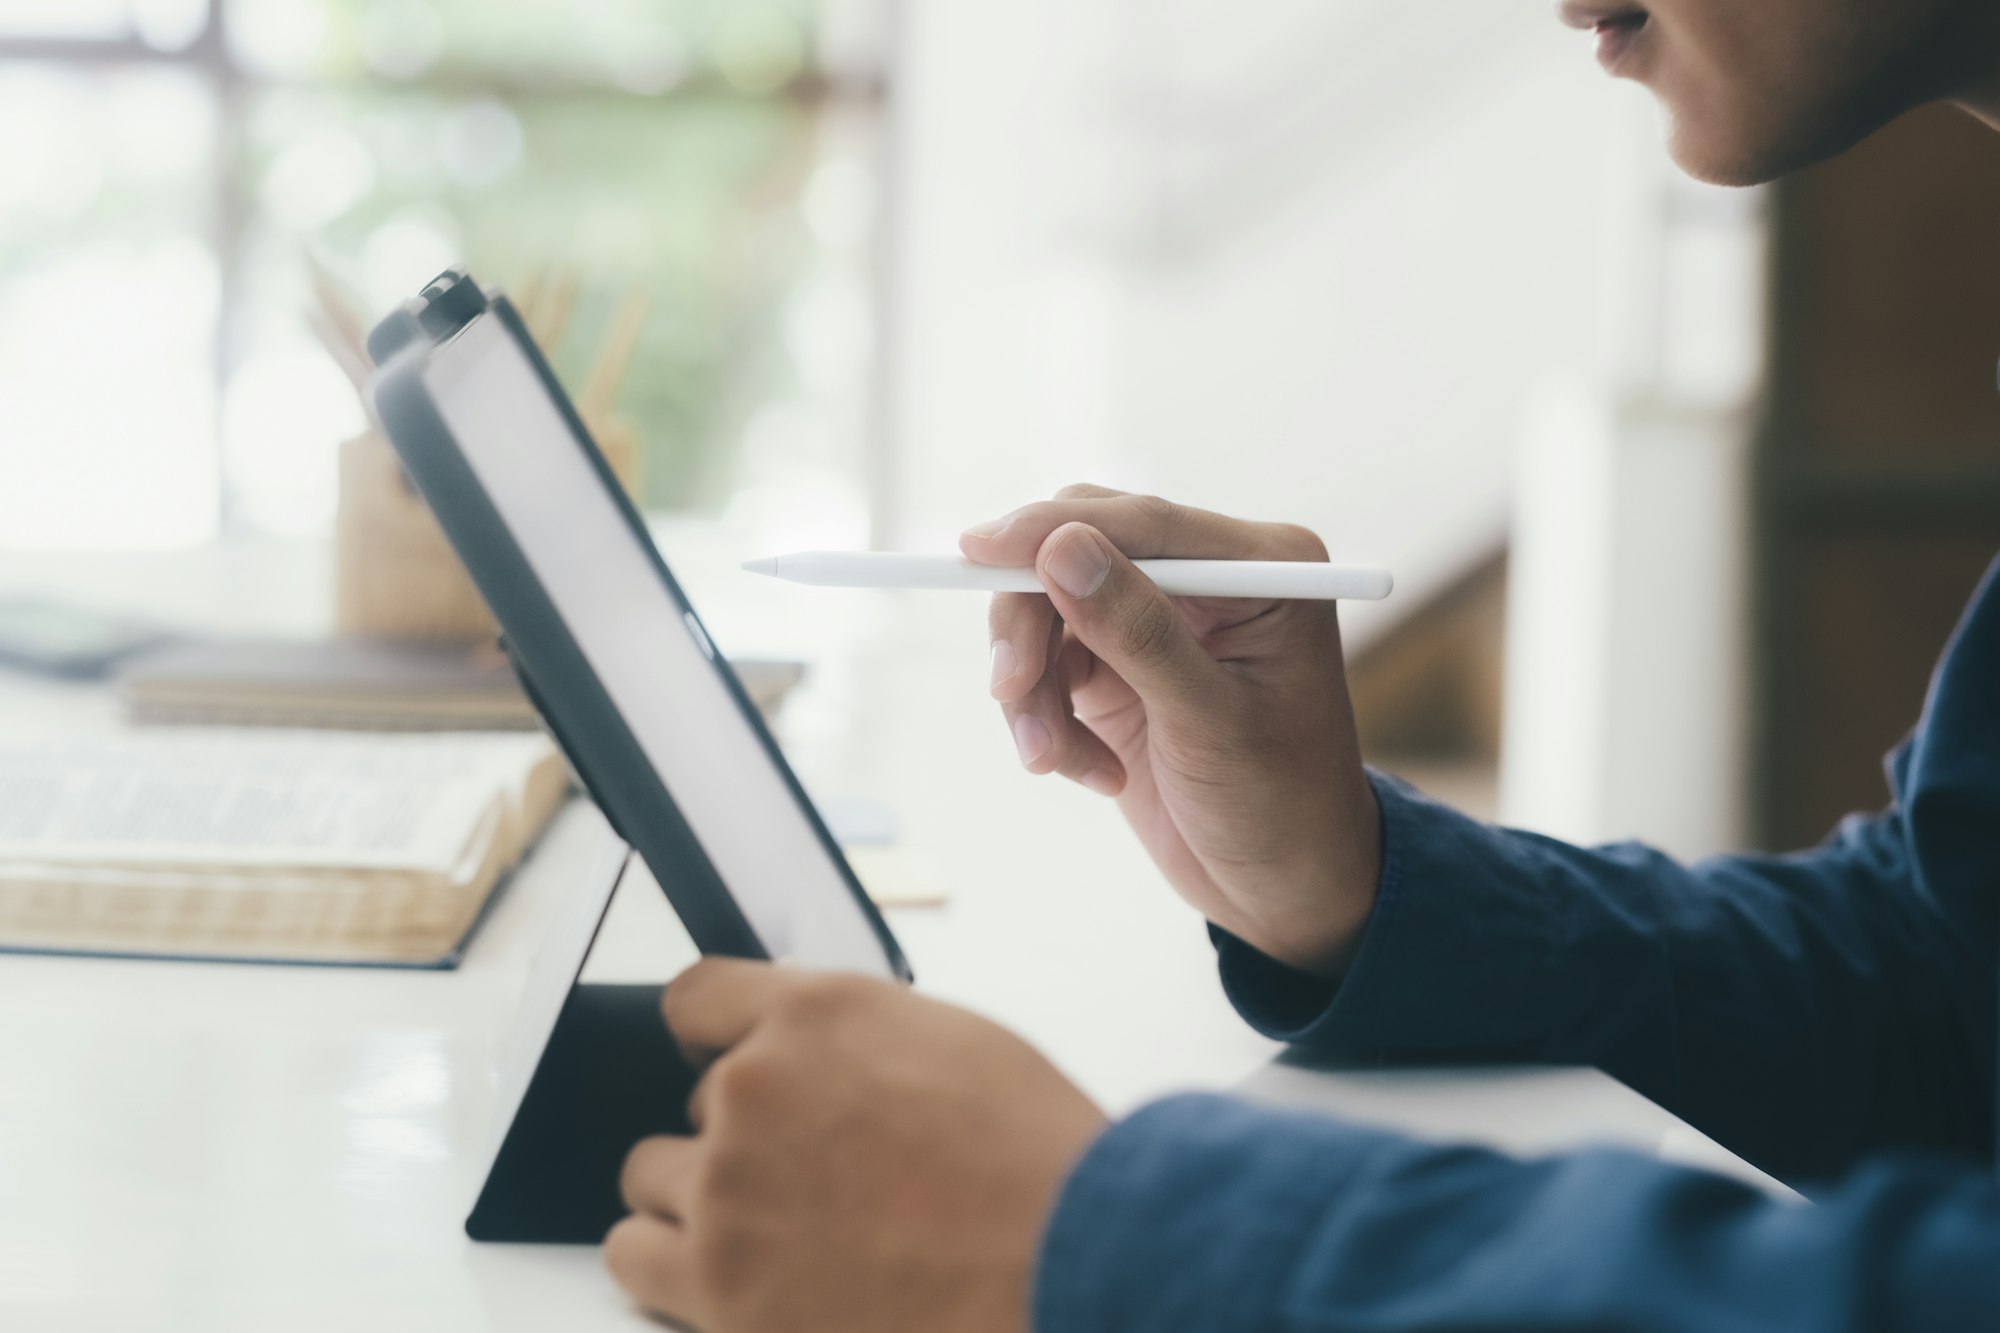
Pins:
x: 634, y: 43
x: 692, y: 199
x: 656, y: 145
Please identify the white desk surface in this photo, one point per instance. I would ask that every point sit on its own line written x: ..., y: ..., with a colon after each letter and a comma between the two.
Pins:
x: 223, y: 1148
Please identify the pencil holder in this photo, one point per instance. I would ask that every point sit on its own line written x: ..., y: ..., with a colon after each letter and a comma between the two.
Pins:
x: 395, y: 575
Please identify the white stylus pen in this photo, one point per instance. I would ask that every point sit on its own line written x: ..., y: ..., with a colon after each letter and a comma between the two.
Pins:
x: 1276, y: 580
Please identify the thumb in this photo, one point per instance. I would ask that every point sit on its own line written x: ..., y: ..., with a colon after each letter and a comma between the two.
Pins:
x: 1122, y: 616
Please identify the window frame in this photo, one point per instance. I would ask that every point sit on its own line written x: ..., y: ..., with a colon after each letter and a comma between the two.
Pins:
x: 231, y: 194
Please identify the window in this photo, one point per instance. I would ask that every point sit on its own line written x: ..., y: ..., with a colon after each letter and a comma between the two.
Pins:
x: 171, y: 171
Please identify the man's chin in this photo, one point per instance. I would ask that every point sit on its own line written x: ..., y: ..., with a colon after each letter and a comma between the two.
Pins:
x: 1718, y: 157
x: 1712, y: 168
x: 1734, y: 152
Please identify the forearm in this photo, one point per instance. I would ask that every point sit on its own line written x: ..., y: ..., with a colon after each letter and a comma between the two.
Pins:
x: 1206, y: 1214
x: 1803, y: 1010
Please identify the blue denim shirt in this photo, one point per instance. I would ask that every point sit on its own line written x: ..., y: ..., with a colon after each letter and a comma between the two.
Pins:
x: 1829, y: 1015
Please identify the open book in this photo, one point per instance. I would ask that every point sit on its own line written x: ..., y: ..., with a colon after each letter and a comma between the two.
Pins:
x: 288, y: 846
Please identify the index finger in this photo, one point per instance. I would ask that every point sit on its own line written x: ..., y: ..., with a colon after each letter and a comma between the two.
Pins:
x: 1142, y: 527
x: 714, y: 1004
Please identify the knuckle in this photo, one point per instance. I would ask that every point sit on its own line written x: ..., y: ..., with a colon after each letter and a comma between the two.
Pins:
x: 1039, y: 516
x: 684, y: 992
x: 1157, y: 509
x: 819, y: 1000
x: 729, y: 1178
x: 739, y: 1081
x: 1301, y: 543
x: 631, y: 1175
x: 1085, y: 490
x: 623, y: 1249
x: 725, y: 1262
x: 1146, y: 634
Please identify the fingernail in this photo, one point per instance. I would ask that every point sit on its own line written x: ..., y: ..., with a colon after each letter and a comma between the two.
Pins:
x: 1005, y: 664
x: 986, y: 532
x: 1102, y: 781
x: 1079, y: 564
x: 1031, y: 738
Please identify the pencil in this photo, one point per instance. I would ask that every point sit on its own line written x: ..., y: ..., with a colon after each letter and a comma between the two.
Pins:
x: 528, y: 299
x: 615, y: 357
x: 554, y: 321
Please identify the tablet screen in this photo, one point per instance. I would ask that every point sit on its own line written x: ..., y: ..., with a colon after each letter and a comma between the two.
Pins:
x: 650, y: 654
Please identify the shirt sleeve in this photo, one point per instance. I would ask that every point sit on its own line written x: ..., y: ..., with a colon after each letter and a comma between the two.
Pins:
x: 1214, y: 1216
x: 1803, y: 1010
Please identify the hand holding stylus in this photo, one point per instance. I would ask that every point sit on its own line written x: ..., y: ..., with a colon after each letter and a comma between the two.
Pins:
x: 1222, y: 726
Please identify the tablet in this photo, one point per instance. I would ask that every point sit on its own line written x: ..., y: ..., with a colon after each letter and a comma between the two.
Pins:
x: 654, y: 722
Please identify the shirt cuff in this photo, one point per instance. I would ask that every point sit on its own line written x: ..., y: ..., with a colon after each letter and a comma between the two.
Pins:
x: 1188, y: 1216
x: 1443, y: 930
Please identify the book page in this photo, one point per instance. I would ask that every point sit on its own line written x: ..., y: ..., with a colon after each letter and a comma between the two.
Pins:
x: 215, y: 798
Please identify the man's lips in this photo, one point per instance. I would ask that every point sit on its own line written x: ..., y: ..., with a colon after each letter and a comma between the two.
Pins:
x: 1602, y: 15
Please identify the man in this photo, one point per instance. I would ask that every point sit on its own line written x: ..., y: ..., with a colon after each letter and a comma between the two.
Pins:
x: 867, y: 1159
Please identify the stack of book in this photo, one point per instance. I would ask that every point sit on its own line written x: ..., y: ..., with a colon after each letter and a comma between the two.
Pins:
x: 271, y: 845
x: 365, y: 684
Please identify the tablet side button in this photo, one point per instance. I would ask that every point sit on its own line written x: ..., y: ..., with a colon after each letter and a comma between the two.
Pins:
x: 700, y: 635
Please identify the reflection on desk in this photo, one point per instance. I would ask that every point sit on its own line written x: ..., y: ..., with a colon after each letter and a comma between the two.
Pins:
x: 1525, y: 1110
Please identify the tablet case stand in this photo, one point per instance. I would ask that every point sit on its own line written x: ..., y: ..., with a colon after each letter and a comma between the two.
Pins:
x: 609, y: 1076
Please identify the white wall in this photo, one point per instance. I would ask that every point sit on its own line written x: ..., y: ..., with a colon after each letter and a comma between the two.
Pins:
x: 1360, y: 361
x: 1319, y: 260
x: 1627, y: 635
x: 1000, y: 324
x: 1152, y: 244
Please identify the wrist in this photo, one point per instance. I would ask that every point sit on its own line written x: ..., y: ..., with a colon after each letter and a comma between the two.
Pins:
x: 1322, y: 932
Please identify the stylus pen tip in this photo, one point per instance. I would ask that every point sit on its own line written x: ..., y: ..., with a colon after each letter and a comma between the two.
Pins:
x: 769, y: 566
